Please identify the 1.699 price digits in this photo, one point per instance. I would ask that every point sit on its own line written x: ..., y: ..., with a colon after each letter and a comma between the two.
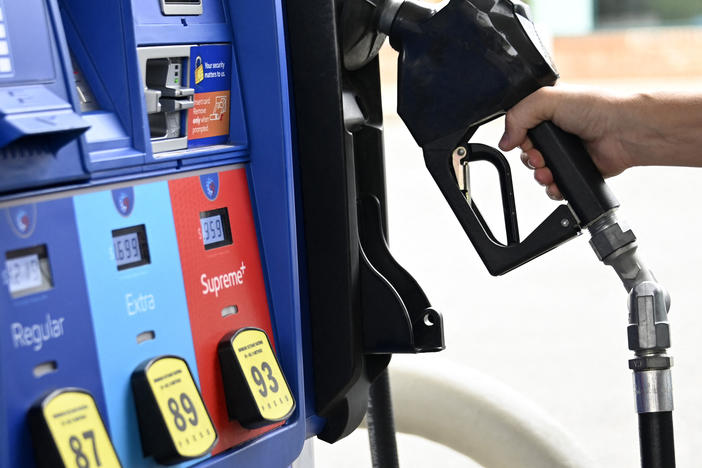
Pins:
x: 126, y: 247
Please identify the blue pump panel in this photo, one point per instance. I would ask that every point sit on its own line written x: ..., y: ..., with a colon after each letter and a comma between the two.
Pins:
x: 135, y: 285
x: 97, y: 207
x: 147, y: 116
x: 39, y: 126
x: 48, y: 340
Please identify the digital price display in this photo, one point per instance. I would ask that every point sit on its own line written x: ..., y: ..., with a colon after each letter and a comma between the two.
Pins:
x: 215, y: 228
x: 28, y: 271
x: 131, y: 247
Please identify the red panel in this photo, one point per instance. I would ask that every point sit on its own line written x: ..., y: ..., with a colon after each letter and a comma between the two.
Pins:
x: 214, y: 279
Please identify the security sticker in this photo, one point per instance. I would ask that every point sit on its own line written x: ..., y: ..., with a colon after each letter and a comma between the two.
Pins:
x: 257, y: 392
x: 68, y: 431
x: 199, y: 70
x: 173, y: 420
x: 211, y: 71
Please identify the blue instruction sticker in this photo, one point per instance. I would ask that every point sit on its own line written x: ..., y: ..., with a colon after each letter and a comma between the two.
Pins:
x: 210, y: 73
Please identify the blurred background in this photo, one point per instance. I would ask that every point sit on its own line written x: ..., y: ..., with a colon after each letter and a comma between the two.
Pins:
x: 555, y: 330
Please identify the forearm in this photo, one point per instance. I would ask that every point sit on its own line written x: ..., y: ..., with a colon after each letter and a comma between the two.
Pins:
x: 661, y: 129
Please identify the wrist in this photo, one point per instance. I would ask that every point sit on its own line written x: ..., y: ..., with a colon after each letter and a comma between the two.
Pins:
x: 662, y: 129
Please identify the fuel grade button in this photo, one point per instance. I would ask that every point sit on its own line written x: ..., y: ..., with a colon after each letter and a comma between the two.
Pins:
x: 174, y: 424
x: 68, y: 431
x: 255, y: 388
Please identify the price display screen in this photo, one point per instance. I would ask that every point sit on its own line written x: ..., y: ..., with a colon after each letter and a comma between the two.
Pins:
x: 28, y: 271
x: 131, y: 247
x: 215, y: 228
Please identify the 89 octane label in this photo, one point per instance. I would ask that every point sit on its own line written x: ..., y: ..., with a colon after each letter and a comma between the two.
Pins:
x: 181, y: 407
x: 79, y: 432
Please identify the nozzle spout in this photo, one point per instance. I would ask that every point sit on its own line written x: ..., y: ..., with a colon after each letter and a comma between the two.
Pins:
x: 387, y: 13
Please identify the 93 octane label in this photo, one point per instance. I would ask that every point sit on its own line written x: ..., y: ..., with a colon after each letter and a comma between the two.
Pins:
x: 181, y: 406
x: 263, y: 374
x: 79, y: 432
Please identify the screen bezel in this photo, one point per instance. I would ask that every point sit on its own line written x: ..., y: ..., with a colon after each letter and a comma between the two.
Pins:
x: 223, y: 213
x: 42, y: 253
x: 140, y: 231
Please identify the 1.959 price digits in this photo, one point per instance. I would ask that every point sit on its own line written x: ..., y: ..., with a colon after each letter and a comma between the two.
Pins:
x: 258, y: 378
x: 82, y: 460
x: 212, y: 229
x: 187, y: 405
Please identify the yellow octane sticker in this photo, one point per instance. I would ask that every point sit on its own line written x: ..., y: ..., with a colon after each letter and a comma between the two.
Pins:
x: 78, y: 431
x: 263, y: 374
x: 181, y: 406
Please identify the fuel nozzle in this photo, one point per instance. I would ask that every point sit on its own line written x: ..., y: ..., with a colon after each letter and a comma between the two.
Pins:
x: 365, y: 25
x: 484, y: 56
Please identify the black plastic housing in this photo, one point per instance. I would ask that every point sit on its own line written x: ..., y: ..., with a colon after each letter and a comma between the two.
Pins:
x: 464, y: 64
x: 155, y: 439
x: 362, y: 305
x: 241, y: 404
x: 572, y: 167
x: 46, y: 452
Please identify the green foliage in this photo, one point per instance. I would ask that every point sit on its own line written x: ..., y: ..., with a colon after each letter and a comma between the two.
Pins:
x: 666, y: 11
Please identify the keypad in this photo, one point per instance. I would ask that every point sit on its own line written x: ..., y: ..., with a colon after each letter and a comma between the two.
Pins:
x: 5, y: 59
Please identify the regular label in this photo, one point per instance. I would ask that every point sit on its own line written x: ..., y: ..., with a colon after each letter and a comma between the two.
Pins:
x: 263, y: 374
x: 79, y: 432
x: 179, y: 401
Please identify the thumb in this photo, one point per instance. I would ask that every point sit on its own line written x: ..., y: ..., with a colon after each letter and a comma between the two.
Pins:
x: 527, y: 114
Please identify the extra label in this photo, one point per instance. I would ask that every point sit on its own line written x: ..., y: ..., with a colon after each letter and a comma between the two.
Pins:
x: 78, y: 431
x: 256, y: 388
x: 180, y: 404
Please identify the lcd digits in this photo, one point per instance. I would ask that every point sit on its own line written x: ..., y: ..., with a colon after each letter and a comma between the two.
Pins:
x: 215, y: 228
x: 28, y: 271
x: 131, y: 247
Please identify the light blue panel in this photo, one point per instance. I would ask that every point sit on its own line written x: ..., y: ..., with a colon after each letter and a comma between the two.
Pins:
x: 146, y: 298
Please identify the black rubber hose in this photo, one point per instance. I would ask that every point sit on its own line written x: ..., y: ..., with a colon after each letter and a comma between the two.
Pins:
x: 656, y: 439
x: 381, y: 424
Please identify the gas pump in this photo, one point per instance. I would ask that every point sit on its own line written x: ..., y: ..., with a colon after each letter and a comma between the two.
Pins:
x: 150, y: 300
x: 193, y: 231
x: 184, y: 281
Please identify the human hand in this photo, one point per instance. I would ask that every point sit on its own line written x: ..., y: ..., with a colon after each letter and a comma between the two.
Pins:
x: 597, y: 117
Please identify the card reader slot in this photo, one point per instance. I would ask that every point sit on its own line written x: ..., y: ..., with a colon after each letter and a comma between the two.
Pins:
x: 167, y: 95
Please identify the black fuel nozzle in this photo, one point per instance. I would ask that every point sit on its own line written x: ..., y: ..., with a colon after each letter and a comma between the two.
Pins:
x: 464, y: 63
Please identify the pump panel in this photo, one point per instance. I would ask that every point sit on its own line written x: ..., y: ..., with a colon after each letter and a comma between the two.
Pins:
x: 140, y: 226
x: 223, y: 278
x: 48, y: 341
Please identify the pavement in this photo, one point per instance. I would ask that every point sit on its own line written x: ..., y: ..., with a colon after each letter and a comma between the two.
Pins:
x: 555, y: 329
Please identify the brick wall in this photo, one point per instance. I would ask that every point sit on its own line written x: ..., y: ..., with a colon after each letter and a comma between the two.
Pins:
x: 636, y: 53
